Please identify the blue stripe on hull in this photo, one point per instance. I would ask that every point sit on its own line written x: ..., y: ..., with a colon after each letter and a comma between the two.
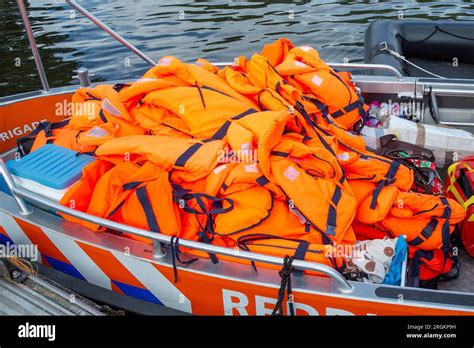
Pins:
x: 133, y: 291
x: 64, y: 267
x: 4, y: 240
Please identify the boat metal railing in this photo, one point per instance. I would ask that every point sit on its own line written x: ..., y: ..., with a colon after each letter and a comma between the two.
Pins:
x: 21, y: 194
x: 34, y: 48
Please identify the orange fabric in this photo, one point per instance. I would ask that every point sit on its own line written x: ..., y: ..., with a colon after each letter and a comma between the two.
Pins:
x: 433, y: 266
x: 303, y: 67
x: 116, y: 197
x: 277, y: 50
x: 79, y: 195
x: 64, y: 137
x: 274, y: 246
x: 363, y: 191
x: 165, y: 151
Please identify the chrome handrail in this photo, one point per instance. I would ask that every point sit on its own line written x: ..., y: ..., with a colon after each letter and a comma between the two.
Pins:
x: 390, y: 68
x: 34, y: 48
x: 20, y: 194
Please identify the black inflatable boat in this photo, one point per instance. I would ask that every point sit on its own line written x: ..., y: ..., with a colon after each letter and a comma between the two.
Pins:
x: 422, y: 48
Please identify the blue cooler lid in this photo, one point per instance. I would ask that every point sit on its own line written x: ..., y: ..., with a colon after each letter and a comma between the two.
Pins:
x: 51, y: 165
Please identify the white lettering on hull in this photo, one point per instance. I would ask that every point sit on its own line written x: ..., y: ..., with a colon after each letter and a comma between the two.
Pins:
x: 236, y: 302
x: 19, y: 131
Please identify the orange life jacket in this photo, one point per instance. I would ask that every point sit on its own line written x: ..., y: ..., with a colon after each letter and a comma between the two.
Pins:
x: 277, y: 51
x: 198, y: 112
x: 302, y: 171
x: 192, y: 159
x: 136, y: 195
x: 431, y: 264
x: 300, y: 249
x: 370, y: 211
x: 186, y: 75
x: 58, y: 133
x: 79, y: 195
x: 303, y: 66
x: 101, y: 115
x: 426, y: 220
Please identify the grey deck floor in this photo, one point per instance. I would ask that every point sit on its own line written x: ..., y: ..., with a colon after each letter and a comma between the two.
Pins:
x: 35, y: 295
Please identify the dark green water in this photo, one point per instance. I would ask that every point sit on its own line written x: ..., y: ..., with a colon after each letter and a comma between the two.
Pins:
x: 216, y: 30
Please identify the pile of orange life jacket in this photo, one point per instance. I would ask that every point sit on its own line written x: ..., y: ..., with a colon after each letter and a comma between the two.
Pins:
x: 263, y: 156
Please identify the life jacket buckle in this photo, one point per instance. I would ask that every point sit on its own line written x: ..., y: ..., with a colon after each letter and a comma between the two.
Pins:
x: 331, y: 230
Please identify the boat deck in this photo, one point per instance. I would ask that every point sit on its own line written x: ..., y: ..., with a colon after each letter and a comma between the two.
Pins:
x: 35, y: 295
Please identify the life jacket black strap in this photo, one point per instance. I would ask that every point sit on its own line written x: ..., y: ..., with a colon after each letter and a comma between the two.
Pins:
x: 301, y: 250
x: 46, y: 127
x: 131, y: 185
x: 332, y: 212
x: 358, y: 104
x: 102, y: 116
x: 430, y: 228
x: 119, y: 86
x: 446, y: 234
x: 201, y: 95
x: 279, y: 153
x: 389, y: 179
x: 300, y: 254
x: 262, y: 180
x: 427, y: 232
x: 203, y: 237
x: 175, y: 255
x: 181, y: 161
x: 222, y: 131
x: 416, y: 241
x: 417, y: 261
x: 144, y: 200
